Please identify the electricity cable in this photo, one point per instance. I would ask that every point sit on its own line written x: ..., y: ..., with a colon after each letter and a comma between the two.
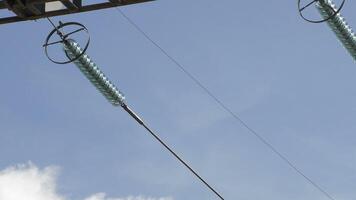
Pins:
x: 140, y: 121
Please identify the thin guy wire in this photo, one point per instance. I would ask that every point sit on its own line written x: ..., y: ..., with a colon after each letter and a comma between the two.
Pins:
x: 55, y: 27
x: 50, y: 21
x: 227, y: 109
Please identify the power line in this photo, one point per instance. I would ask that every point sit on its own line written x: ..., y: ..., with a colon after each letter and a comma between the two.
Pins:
x: 226, y: 108
x: 140, y: 121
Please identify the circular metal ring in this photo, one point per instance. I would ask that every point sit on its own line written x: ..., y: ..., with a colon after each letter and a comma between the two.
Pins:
x: 64, y: 39
x: 300, y: 10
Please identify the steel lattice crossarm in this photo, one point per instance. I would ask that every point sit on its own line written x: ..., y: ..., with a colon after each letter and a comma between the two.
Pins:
x: 24, y: 10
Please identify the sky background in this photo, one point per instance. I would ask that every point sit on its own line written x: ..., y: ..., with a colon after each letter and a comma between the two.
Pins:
x: 289, y: 80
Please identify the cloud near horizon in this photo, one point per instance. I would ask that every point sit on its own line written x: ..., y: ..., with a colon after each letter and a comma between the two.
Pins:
x: 31, y: 183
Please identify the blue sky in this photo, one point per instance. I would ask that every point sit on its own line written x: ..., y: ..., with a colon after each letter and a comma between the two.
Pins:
x: 290, y: 80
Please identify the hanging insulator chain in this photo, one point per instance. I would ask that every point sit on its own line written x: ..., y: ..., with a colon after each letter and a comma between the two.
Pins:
x: 339, y: 25
x: 93, y: 73
x: 97, y: 77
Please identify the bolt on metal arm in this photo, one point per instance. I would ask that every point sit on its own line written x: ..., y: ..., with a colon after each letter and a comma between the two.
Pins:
x: 339, y: 26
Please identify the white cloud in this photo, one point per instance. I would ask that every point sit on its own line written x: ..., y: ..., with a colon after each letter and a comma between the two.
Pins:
x: 31, y: 183
x: 28, y: 182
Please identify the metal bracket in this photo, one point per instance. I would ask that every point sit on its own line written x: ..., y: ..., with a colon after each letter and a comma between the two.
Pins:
x: 35, y: 9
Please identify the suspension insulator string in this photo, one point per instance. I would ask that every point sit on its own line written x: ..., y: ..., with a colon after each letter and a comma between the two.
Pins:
x: 116, y: 98
x: 338, y: 25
